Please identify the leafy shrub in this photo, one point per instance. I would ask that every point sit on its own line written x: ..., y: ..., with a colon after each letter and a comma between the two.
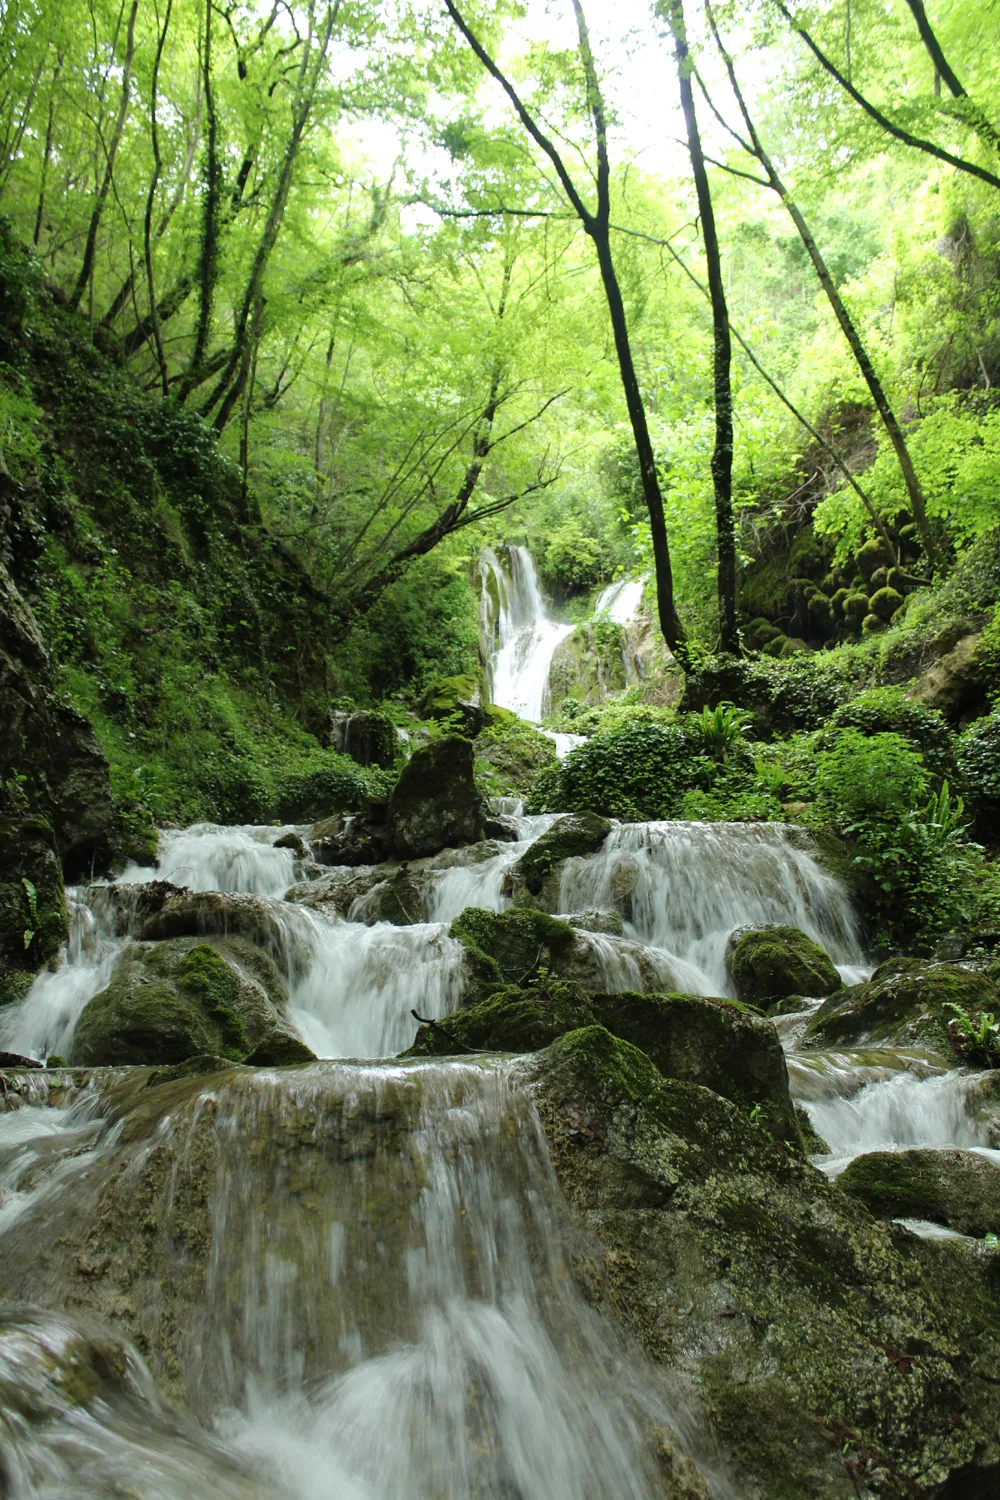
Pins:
x: 887, y: 710
x: 979, y: 762
x: 637, y: 771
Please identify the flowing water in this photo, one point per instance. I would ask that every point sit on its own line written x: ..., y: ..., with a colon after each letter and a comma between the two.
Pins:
x: 519, y: 638
x: 620, y: 601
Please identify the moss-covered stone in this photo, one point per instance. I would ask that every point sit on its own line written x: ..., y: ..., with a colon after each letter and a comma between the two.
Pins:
x: 14, y: 987
x: 577, y: 834
x: 515, y: 752
x: 885, y: 602
x: 510, y: 947
x: 767, y: 964
x: 903, y: 1004
x: 435, y: 803
x: 34, y: 922
x: 827, y: 1360
x: 173, y: 1000
x: 955, y: 1188
x: 366, y: 735
x: 456, y: 699
x: 510, y: 1020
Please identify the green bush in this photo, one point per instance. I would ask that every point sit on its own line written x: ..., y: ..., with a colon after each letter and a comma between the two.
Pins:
x: 637, y: 771
x: 979, y: 762
x: 887, y: 710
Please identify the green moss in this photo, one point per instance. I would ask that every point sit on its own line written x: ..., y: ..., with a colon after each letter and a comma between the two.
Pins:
x: 511, y: 1020
x: 901, y: 1005
x: 14, y: 987
x: 575, y: 835
x: 769, y: 963
x: 34, y: 921
x: 514, y: 753
x: 511, y: 947
x: 207, y: 976
x: 955, y: 1188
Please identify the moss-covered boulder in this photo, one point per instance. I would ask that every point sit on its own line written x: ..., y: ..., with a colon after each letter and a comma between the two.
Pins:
x: 577, y: 834
x: 515, y: 753
x: 177, y: 999
x: 957, y: 682
x: 435, y: 804
x: 905, y: 1003
x: 511, y: 947
x: 767, y: 964
x: 366, y: 735
x: 456, y: 699
x: 958, y: 1189
x: 829, y: 1363
x: 33, y: 920
x: 510, y: 1020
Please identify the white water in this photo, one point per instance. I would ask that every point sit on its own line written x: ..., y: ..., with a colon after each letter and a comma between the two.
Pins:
x: 620, y: 601
x: 209, y: 857
x: 520, y: 637
x: 401, y: 1324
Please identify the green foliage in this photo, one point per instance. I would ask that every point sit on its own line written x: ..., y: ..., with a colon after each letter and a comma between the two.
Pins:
x: 637, y: 771
x: 887, y: 710
x: 31, y: 895
x: 720, y: 730
x: 979, y: 762
x: 975, y: 1036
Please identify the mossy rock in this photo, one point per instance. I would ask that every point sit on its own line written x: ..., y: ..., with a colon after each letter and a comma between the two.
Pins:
x: 510, y: 1020
x: 873, y: 555
x: 456, y: 699
x: 792, y: 646
x: 767, y: 964
x: 14, y: 987
x: 495, y: 717
x: 776, y: 645
x: 367, y: 735
x: 885, y: 603
x: 873, y: 625
x: 576, y: 835
x: 855, y: 607
x: 955, y: 1188
x: 812, y: 1338
x: 903, y: 1004
x: 510, y: 947
x: 177, y: 999
x: 516, y: 752
x: 435, y: 804
x: 34, y: 922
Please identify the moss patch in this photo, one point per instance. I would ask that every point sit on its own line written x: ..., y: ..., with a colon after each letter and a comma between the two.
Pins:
x: 768, y: 964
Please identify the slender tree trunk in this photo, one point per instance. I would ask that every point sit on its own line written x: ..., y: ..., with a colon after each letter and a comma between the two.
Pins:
x: 851, y: 334
x: 147, y: 227
x: 86, y: 270
x: 208, y: 260
x: 47, y: 153
x: 722, y: 454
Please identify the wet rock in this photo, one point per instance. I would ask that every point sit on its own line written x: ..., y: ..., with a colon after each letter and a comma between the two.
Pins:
x: 903, y: 1004
x: 955, y: 683
x: 283, y: 1048
x: 127, y: 908
x: 33, y: 918
x: 177, y: 999
x: 353, y: 840
x: 336, y: 890
x: 822, y: 1354
x: 955, y: 1188
x: 399, y: 900
x: 223, y: 913
x: 456, y: 699
x: 607, y: 922
x: 500, y: 827
x: 576, y: 834
x: 511, y: 1020
x: 435, y: 804
x: 291, y: 841
x: 767, y: 964
x: 367, y: 736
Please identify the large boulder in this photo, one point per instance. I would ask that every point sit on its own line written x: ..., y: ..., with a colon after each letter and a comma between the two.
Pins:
x: 958, y: 1189
x: 828, y: 1362
x: 457, y: 699
x: 435, y: 803
x: 956, y: 683
x: 49, y: 744
x: 905, y: 1003
x: 33, y: 918
x: 573, y: 835
x: 182, y: 998
x: 767, y: 964
x: 358, y: 839
x: 367, y: 736
x: 712, y: 1042
x: 512, y: 947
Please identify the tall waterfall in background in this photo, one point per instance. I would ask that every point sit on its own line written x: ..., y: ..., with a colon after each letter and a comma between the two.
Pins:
x: 517, y: 631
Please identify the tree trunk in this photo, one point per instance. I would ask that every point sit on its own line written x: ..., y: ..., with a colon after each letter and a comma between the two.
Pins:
x: 722, y: 454
x: 208, y: 261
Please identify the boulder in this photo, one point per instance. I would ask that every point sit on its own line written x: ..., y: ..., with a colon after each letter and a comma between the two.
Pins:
x: 219, y: 913
x: 608, y: 923
x: 33, y: 919
x: 511, y: 947
x: 574, y: 835
x: 49, y: 744
x: 955, y: 683
x: 456, y: 699
x: 367, y: 736
x: 515, y: 752
x: 828, y: 1362
x: 180, y: 998
x: 435, y: 804
x: 336, y: 890
x: 955, y: 1188
x: 903, y: 1004
x: 767, y: 964
x: 358, y: 839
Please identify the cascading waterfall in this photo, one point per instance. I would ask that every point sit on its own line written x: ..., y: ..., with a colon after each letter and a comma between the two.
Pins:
x: 386, y: 1311
x: 519, y: 638
x: 620, y: 601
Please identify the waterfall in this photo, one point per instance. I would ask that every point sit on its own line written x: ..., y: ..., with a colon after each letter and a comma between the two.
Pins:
x: 620, y: 601
x: 519, y: 639
x: 209, y: 857
x: 383, y: 1306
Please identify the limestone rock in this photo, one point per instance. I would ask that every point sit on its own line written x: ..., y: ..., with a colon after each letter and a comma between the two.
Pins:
x: 903, y: 1004
x: 575, y: 834
x: 177, y: 999
x: 956, y: 682
x: 435, y: 804
x: 367, y: 736
x: 33, y: 918
x: 955, y: 1188
x: 767, y: 964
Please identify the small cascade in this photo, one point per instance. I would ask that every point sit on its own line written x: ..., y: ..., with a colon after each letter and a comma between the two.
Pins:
x: 518, y: 638
x: 383, y: 1306
x: 684, y: 888
x: 483, y: 884
x: 620, y: 601
x: 209, y: 857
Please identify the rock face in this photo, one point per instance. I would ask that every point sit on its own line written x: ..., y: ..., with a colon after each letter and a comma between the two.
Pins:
x: 955, y: 1188
x: 714, y: 1043
x: 956, y: 682
x: 435, y: 803
x: 33, y: 919
x: 830, y: 1364
x: 903, y: 1004
x: 576, y: 834
x: 180, y: 998
x: 767, y: 964
x: 49, y: 743
x: 367, y: 736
